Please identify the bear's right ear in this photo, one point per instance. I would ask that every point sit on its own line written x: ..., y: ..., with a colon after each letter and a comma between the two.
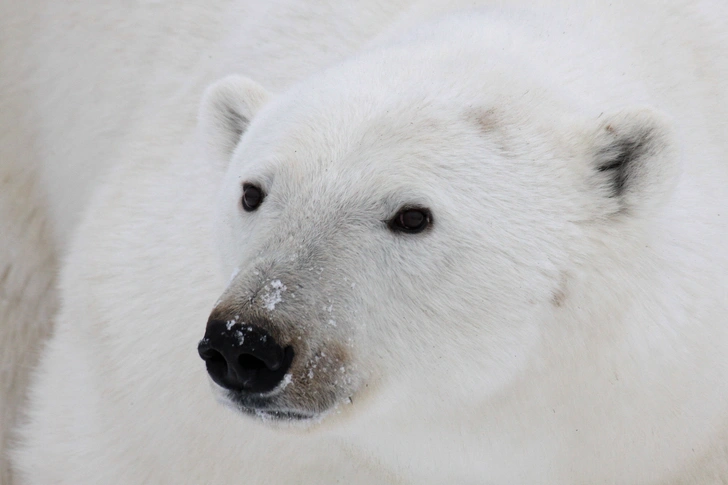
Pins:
x: 635, y: 160
x: 227, y: 107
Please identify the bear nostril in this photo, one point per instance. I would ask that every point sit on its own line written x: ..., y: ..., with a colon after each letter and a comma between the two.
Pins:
x: 214, y: 360
x: 209, y: 355
x: 247, y: 361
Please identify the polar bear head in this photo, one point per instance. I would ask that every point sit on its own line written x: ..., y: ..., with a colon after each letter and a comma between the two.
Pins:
x: 414, y: 221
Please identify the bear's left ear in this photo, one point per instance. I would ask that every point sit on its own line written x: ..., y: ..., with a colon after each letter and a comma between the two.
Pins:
x: 635, y: 160
x: 227, y: 108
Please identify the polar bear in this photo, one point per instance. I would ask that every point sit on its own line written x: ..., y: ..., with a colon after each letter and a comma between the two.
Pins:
x: 429, y: 244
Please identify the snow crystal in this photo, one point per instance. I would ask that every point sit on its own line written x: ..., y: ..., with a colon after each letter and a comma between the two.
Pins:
x: 264, y: 416
x: 287, y: 379
x: 233, y: 275
x: 272, y: 298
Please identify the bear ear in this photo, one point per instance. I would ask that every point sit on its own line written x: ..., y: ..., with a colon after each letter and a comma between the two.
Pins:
x: 635, y: 160
x: 227, y: 108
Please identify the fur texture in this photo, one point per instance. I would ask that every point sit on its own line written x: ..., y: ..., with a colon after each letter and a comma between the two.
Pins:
x: 563, y: 320
x: 27, y: 252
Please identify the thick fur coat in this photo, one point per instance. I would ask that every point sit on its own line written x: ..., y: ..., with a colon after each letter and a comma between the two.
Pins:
x: 559, y: 316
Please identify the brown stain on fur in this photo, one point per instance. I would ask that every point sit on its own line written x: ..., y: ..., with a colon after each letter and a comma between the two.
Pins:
x: 561, y: 293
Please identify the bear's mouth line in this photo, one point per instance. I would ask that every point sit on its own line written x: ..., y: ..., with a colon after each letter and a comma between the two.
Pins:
x: 265, y: 408
x: 273, y: 414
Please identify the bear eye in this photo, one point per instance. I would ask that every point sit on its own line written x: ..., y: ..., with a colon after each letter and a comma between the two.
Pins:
x: 252, y: 197
x: 410, y: 220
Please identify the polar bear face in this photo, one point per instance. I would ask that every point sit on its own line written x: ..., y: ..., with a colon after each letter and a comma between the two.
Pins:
x: 408, y: 223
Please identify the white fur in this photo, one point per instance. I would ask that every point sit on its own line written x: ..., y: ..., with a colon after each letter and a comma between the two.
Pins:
x: 547, y: 329
x: 27, y: 256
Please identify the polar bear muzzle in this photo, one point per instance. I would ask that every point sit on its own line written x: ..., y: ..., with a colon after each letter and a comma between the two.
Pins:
x: 272, y: 367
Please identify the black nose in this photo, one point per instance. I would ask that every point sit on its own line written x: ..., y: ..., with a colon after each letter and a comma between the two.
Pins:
x: 243, y: 357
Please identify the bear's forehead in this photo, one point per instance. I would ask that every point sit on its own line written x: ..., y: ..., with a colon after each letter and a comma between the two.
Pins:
x: 399, y: 119
x: 397, y: 101
x: 396, y: 153
x: 408, y: 139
